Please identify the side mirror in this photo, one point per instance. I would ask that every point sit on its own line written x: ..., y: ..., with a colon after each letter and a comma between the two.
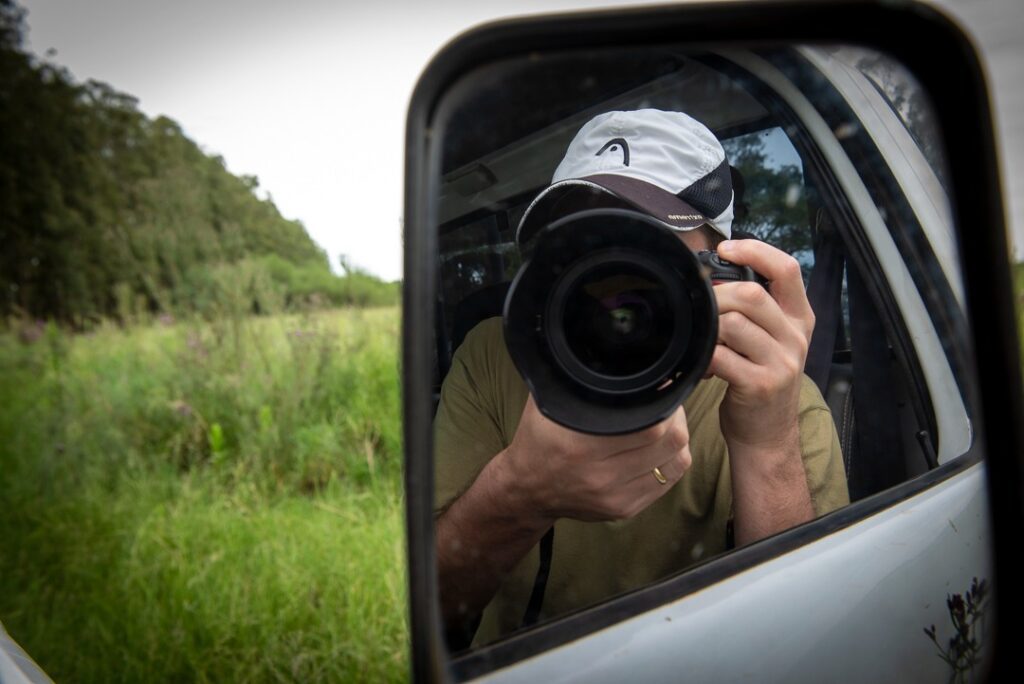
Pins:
x: 873, y: 163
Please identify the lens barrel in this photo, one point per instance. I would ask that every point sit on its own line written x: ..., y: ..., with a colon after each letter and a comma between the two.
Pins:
x: 611, y: 321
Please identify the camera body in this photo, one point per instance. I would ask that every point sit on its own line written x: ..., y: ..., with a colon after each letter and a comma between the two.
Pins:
x: 718, y: 270
x: 612, y: 321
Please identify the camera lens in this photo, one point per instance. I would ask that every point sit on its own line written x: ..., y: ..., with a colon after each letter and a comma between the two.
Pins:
x: 618, y: 319
x: 610, y: 320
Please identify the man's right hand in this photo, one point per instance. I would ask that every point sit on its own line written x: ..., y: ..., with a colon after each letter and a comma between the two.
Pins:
x: 556, y: 473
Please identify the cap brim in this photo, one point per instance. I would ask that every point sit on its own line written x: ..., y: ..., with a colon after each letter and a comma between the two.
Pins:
x: 606, y: 190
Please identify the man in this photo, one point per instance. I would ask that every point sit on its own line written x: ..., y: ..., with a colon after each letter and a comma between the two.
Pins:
x: 752, y: 451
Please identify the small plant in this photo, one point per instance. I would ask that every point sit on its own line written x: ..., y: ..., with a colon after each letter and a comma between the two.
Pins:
x: 963, y: 652
x: 218, y: 445
x: 266, y: 418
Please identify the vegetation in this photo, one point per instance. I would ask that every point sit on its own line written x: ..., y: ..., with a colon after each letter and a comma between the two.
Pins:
x: 200, y: 461
x: 759, y: 186
x: 205, y: 502
x: 105, y: 213
x: 967, y: 611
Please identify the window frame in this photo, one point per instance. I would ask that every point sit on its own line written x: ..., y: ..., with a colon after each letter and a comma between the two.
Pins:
x: 918, y: 259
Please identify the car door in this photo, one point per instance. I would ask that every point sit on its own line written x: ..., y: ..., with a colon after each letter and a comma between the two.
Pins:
x: 866, y: 592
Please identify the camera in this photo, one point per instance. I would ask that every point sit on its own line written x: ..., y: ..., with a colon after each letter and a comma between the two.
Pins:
x: 611, y: 319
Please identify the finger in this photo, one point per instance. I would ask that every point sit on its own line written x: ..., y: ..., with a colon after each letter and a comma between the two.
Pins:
x: 678, y: 465
x: 672, y: 430
x: 745, y: 337
x: 675, y: 467
x: 645, y: 488
x: 781, y: 270
x: 643, y: 460
x: 597, y: 446
x: 752, y: 301
x: 732, y: 367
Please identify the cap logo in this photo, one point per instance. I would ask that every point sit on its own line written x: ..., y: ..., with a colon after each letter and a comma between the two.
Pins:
x: 612, y: 145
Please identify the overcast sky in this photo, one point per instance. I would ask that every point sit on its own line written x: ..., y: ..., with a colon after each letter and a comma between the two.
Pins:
x: 311, y: 95
x: 308, y: 95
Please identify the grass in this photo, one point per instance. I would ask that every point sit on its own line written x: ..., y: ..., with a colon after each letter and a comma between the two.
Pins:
x: 187, y: 501
x: 205, y: 502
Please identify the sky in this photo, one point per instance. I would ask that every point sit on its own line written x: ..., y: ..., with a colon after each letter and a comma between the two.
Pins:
x: 310, y: 96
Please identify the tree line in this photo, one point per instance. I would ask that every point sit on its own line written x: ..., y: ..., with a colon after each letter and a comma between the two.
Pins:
x: 107, y: 213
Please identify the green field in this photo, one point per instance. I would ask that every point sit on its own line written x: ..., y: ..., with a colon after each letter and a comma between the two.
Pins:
x: 205, y: 502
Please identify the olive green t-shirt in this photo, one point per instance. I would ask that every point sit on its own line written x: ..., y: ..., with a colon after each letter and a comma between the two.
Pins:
x: 481, y: 402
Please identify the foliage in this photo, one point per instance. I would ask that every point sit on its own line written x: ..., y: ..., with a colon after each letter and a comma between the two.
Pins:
x: 771, y: 202
x: 963, y: 651
x: 910, y: 102
x: 107, y: 213
x: 304, y: 285
x: 769, y: 199
x: 190, y: 501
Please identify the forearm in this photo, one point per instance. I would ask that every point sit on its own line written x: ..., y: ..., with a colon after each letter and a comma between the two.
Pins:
x: 480, y: 538
x: 770, y: 492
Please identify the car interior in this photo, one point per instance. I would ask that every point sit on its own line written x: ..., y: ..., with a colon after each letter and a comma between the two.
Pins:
x: 494, y: 164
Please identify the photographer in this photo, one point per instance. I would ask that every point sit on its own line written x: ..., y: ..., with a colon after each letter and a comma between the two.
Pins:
x: 751, y: 452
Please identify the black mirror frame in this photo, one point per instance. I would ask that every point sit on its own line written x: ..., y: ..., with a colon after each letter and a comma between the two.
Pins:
x: 949, y: 69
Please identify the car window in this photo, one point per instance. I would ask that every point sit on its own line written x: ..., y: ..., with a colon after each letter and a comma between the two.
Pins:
x: 774, y: 204
x: 771, y: 201
x: 803, y: 181
x: 907, y: 101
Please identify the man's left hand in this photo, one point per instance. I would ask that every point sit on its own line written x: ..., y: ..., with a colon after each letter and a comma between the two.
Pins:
x: 763, y: 337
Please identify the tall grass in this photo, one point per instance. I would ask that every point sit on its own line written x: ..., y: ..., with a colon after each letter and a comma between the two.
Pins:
x: 209, y: 502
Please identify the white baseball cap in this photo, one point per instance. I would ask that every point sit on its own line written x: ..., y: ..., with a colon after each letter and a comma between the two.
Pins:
x: 665, y: 164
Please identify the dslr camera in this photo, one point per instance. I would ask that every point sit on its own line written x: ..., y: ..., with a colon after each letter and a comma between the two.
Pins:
x: 611, y: 319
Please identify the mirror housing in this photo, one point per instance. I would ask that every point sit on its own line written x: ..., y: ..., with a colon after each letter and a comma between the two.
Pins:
x: 948, y: 69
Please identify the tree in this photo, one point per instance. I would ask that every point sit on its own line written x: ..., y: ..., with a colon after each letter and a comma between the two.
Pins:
x: 909, y: 100
x: 100, y: 205
x: 770, y: 201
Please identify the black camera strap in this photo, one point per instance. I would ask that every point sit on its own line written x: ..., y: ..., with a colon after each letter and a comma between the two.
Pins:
x: 540, y: 583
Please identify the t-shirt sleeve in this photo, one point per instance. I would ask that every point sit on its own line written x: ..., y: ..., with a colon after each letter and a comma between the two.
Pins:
x: 823, y: 458
x: 467, y: 427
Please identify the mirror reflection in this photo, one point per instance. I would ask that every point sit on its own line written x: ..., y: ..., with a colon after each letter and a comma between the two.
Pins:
x: 688, y: 300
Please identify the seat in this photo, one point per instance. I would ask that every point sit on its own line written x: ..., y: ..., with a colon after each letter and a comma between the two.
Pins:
x: 485, y: 303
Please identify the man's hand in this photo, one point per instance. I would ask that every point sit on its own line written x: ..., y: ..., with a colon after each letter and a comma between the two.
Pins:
x: 763, y: 337
x: 762, y: 345
x: 547, y: 472
x: 559, y: 473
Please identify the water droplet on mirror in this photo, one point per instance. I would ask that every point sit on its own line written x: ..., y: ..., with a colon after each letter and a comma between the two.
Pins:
x: 846, y: 130
x: 792, y: 195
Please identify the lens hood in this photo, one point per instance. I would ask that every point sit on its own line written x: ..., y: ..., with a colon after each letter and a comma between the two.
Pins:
x: 611, y: 321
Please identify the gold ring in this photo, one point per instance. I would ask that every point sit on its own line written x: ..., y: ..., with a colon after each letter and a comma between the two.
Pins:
x: 656, y: 471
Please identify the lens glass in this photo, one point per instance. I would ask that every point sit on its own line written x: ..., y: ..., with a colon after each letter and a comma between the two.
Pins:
x: 618, y: 319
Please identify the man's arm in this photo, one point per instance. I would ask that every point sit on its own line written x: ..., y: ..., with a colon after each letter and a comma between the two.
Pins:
x: 763, y: 342
x: 481, y: 536
x: 547, y: 472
